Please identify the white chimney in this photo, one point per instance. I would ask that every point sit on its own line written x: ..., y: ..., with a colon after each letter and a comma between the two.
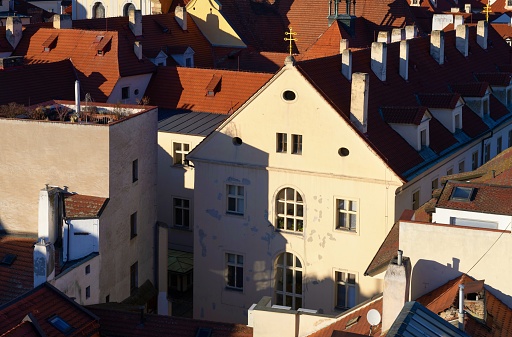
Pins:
x: 457, y: 21
x: 137, y: 48
x: 180, y: 14
x: 410, y: 32
x: 437, y: 46
x: 62, y: 21
x: 461, y: 39
x: 44, y: 262
x: 461, y: 307
x: 397, y: 34
x: 481, y: 33
x: 379, y: 59
x: 135, y: 20
x: 383, y: 37
x: 48, y: 213
x: 346, y: 64
x: 396, y: 290
x: 359, y: 101
x: 404, y: 60
x: 13, y: 30
x: 467, y: 8
x: 343, y: 45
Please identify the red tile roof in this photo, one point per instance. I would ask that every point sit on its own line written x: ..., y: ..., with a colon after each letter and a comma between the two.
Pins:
x: 83, y: 206
x: 18, y: 278
x: 470, y: 89
x: 127, y: 324
x: 496, y: 109
x: 185, y: 88
x: 495, y: 78
x: 440, y: 137
x: 403, y: 115
x: 439, y: 100
x: 386, y: 252
x: 43, y: 303
x: 248, y: 59
x: 472, y: 124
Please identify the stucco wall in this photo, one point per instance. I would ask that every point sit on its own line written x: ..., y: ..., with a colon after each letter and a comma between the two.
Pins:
x: 137, y: 83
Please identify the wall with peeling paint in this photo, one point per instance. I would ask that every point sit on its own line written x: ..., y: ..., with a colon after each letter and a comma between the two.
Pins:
x: 319, y: 174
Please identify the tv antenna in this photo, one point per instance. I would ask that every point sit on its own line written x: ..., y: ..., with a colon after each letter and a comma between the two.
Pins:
x: 373, y: 317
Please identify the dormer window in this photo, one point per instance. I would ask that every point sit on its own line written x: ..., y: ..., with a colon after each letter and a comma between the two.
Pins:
x: 214, y: 85
x: 424, y: 138
x: 103, y: 44
x: 412, y: 123
x: 445, y: 107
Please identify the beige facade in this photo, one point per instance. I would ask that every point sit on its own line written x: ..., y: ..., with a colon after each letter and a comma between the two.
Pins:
x: 322, y: 175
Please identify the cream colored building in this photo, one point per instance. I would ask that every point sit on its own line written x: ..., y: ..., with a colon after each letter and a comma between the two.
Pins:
x: 115, y: 161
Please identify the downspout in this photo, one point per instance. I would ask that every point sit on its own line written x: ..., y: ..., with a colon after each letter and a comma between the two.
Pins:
x: 67, y: 244
x: 482, y: 147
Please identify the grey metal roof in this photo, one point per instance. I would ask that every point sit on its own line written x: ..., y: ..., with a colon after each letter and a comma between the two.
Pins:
x: 188, y: 122
x: 416, y: 320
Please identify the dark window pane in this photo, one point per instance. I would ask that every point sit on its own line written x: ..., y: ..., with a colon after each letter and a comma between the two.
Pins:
x: 239, y: 277
x: 289, y: 280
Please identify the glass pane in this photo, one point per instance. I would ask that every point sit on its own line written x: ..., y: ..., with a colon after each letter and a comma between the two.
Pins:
x: 240, y: 206
x: 178, y: 158
x: 351, y: 297
x: 289, y: 224
x: 231, y: 276
x: 178, y: 218
x: 231, y: 204
x: 240, y: 190
x: 289, y: 209
x: 300, y: 225
x: 289, y: 301
x: 240, y: 259
x: 351, y: 278
x: 239, y: 277
x: 337, y: 276
x: 342, y: 223
x: 299, y: 197
x: 300, y: 210
x: 353, y: 221
x: 297, y: 263
x: 185, y: 203
x: 289, y: 194
x: 280, y: 259
x: 280, y: 207
x: 177, y: 146
x: 289, y: 259
x: 231, y: 258
x: 279, y: 278
x: 298, y: 303
x: 289, y: 280
x: 353, y: 206
x: 185, y: 218
x: 186, y: 147
x: 279, y: 299
x: 341, y: 204
x: 280, y: 195
x: 298, y: 282
x: 232, y: 189
x: 280, y: 223
x: 340, y: 299
x: 177, y: 202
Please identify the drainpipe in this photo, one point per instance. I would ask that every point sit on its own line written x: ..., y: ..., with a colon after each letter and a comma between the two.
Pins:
x: 461, y: 307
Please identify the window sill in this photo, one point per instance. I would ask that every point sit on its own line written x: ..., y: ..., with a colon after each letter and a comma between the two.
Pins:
x: 343, y: 230
x: 297, y: 233
x: 235, y: 290
x: 241, y: 215
x: 182, y: 228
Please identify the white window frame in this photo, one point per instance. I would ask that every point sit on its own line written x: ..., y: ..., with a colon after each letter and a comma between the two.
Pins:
x: 281, y: 142
x: 348, y: 213
x: 236, y: 265
x: 238, y: 197
x: 185, y: 212
x: 282, y: 218
x: 342, y: 279
x: 296, y: 295
x: 415, y: 201
x: 181, y: 152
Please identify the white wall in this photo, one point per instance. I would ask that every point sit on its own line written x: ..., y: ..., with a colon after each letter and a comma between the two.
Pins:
x: 79, y: 245
x: 137, y: 84
x: 50, y: 6
x: 443, y: 215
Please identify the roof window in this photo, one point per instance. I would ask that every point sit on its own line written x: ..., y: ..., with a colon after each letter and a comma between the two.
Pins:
x: 204, y: 332
x: 8, y: 259
x: 58, y: 323
x: 462, y: 193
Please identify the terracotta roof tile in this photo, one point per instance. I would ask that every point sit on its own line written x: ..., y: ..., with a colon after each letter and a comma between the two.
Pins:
x: 495, y: 78
x: 387, y: 251
x: 470, y: 89
x: 127, y: 324
x: 472, y: 124
x: 497, y: 110
x: 185, y: 88
x: 18, y: 278
x: 44, y: 302
x: 83, y: 206
x: 248, y: 59
x: 440, y: 137
x: 403, y: 115
x: 439, y: 100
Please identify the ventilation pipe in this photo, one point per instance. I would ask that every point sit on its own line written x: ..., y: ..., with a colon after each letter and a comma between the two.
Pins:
x: 399, y: 257
x: 461, y: 307
x: 77, y: 97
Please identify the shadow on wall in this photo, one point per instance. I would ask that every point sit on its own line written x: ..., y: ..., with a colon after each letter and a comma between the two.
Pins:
x: 428, y: 275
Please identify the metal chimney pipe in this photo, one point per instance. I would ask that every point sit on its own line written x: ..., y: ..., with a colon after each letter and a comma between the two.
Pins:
x: 461, y: 307
x: 399, y: 258
x: 77, y: 97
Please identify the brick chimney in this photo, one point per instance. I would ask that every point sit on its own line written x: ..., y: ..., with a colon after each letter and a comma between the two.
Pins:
x: 62, y: 21
x: 481, y: 33
x: 397, y: 34
x: 410, y: 32
x: 379, y: 59
x: 359, y: 101
x: 461, y: 39
x: 343, y: 45
x: 13, y: 30
x: 135, y: 20
x: 437, y: 46
x: 44, y: 262
x: 180, y: 14
x: 346, y: 64
x: 404, y: 60
x: 383, y: 37
x: 137, y: 49
x: 396, y: 289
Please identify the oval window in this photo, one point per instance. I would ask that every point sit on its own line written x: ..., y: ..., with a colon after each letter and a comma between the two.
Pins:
x: 289, y: 95
x: 136, y: 92
x: 237, y: 141
x: 343, y: 151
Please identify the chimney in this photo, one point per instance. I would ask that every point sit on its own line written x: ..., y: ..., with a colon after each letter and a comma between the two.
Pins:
x: 437, y: 46
x: 457, y: 21
x: 467, y: 8
x: 379, y: 59
x: 346, y: 64
x: 48, y: 213
x: 13, y: 30
x: 135, y: 19
x: 461, y: 307
x: 383, y: 37
x: 410, y: 32
x: 343, y: 45
x: 137, y: 49
x: 481, y: 33
x: 397, y: 34
x: 77, y: 97
x: 404, y: 60
x: 180, y: 14
x: 44, y: 262
x: 359, y: 101
x: 62, y: 21
x: 396, y: 290
x: 461, y: 39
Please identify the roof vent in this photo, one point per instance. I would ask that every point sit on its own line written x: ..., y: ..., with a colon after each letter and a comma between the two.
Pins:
x: 214, y: 86
x: 8, y: 259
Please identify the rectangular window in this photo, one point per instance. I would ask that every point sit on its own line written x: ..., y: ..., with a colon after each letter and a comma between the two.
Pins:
x: 435, y: 184
x: 188, y: 62
x: 107, y: 299
x: 487, y: 152
x: 345, y: 290
x: 87, y: 292
x: 462, y: 166
x: 416, y: 200
x: 457, y: 122
x: 474, y: 160
x: 346, y: 214
x: 423, y: 136
x: 135, y: 170
x: 125, y: 92
x: 281, y: 142
x: 134, y: 278
x: 449, y: 172
x: 297, y: 144
x: 499, y: 145
x: 236, y: 199
x: 133, y: 225
x: 87, y: 269
x: 235, y: 271
x: 181, y: 212
x: 486, y: 106
x: 180, y: 150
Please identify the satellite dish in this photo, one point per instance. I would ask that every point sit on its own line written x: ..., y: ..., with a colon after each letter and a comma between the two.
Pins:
x: 373, y: 317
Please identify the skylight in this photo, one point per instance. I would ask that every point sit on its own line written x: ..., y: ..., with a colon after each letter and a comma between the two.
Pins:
x: 462, y: 193
x: 60, y: 324
x: 8, y: 259
x: 204, y: 332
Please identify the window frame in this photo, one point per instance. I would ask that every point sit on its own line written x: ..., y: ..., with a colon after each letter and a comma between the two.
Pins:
x: 297, y: 204
x: 135, y: 170
x: 347, y: 213
x: 281, y: 142
x: 463, y: 164
x: 237, y: 266
x: 449, y: 171
x: 185, y: 210
x: 182, y: 152
x: 487, y: 152
x: 133, y: 225
x: 474, y: 160
x: 296, y: 144
x: 499, y: 145
x: 125, y: 92
x: 345, y: 282
x: 296, y: 267
x: 434, y: 184
x: 415, y: 200
x: 236, y: 197
x: 87, y: 292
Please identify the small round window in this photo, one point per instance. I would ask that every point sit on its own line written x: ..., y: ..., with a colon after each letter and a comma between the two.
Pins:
x: 343, y: 151
x: 289, y: 95
x: 237, y: 141
x: 136, y: 92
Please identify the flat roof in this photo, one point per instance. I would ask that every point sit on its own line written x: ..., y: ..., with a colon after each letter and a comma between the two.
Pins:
x: 188, y: 122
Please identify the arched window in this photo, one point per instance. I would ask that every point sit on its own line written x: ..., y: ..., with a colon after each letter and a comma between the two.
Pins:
x: 127, y: 8
x: 288, y: 281
x: 98, y: 11
x: 289, y: 210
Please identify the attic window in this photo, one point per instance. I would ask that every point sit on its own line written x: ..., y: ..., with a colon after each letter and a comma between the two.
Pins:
x: 352, y: 322
x: 103, y: 44
x: 289, y: 95
x: 462, y: 193
x: 58, y: 323
x: 50, y: 42
x: 8, y: 259
x: 204, y: 332
x: 214, y: 86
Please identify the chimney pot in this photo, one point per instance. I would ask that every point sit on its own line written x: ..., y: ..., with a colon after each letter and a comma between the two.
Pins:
x: 77, y: 102
x: 457, y: 21
x: 397, y: 34
x: 437, y: 46
x: 399, y: 257
x: 461, y: 307
x: 379, y: 59
x: 410, y: 32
